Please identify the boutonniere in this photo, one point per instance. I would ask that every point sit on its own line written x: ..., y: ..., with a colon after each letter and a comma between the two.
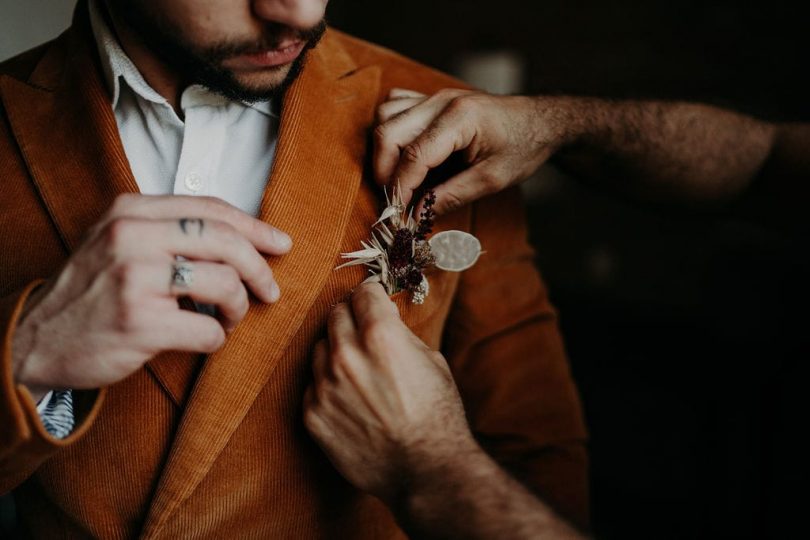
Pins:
x: 399, y: 251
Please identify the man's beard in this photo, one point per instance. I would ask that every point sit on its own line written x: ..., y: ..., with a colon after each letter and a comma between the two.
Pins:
x: 203, y: 66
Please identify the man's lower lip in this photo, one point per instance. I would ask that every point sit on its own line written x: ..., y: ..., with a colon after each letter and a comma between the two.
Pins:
x: 275, y: 57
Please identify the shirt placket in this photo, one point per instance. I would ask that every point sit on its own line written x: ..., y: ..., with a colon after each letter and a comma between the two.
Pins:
x: 200, y: 152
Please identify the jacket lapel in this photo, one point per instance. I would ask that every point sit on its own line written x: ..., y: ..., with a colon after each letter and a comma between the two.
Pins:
x: 311, y: 193
x: 64, y: 125
x: 66, y: 131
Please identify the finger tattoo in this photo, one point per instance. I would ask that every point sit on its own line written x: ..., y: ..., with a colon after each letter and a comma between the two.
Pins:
x: 187, y: 224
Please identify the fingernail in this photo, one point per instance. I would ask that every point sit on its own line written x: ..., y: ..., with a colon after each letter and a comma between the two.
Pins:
x: 283, y: 239
x: 275, y: 292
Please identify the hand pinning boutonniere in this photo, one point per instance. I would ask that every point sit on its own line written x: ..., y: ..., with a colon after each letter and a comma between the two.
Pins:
x: 399, y: 252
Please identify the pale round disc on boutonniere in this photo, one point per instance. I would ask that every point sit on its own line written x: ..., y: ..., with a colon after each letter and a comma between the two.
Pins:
x: 399, y: 251
x: 455, y: 251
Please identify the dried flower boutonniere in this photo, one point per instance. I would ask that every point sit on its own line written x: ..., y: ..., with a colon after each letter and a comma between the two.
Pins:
x: 399, y: 251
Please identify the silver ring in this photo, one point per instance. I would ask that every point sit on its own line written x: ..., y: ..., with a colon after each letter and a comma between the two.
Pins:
x: 182, y: 274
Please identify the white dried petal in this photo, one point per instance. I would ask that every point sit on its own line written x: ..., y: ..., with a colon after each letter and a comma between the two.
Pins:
x: 386, y: 235
x: 411, y: 223
x: 368, y: 253
x: 387, y: 214
x: 354, y: 263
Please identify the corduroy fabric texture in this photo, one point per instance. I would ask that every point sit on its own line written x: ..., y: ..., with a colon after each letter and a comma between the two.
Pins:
x: 214, y: 446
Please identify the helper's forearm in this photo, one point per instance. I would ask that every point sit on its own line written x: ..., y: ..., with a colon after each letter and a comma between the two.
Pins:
x: 473, y: 498
x: 667, y: 151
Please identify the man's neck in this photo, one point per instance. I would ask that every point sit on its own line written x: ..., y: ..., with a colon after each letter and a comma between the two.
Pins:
x: 154, y: 71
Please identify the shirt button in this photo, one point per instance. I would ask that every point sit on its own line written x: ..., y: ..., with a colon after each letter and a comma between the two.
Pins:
x: 193, y: 181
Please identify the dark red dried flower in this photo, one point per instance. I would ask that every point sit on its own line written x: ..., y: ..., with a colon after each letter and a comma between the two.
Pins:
x: 399, y: 254
x: 413, y: 279
x: 426, y: 219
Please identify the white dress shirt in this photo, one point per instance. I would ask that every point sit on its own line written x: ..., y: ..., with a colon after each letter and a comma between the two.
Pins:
x: 220, y: 148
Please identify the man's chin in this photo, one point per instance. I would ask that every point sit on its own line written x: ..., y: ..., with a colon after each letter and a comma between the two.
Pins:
x: 263, y: 80
x: 250, y: 84
x: 256, y: 87
x: 246, y: 77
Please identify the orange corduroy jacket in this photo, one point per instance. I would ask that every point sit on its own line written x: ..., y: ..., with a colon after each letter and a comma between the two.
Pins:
x: 213, y: 446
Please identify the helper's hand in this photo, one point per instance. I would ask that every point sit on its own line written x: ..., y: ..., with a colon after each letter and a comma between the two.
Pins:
x: 113, y: 306
x: 503, y: 139
x: 383, y: 406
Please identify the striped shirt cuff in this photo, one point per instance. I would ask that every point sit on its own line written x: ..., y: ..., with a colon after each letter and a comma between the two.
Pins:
x: 56, y: 412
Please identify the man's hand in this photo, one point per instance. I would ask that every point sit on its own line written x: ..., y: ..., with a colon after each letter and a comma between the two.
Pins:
x: 383, y: 406
x: 386, y: 411
x: 504, y: 139
x: 653, y: 150
x: 113, y: 306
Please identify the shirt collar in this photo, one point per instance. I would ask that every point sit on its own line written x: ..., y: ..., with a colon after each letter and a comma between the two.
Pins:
x: 116, y: 65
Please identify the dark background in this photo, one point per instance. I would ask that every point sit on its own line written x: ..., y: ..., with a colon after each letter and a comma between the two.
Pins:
x: 686, y: 330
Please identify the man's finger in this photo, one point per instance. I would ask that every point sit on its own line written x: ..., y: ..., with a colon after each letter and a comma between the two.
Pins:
x: 320, y: 356
x: 392, y: 136
x: 312, y: 419
x: 310, y: 398
x: 211, y: 283
x: 449, y: 133
x: 341, y: 328
x: 460, y: 190
x: 399, y: 93
x: 182, y: 330
x: 390, y: 109
x: 209, y: 240
x: 266, y: 238
x: 371, y: 304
